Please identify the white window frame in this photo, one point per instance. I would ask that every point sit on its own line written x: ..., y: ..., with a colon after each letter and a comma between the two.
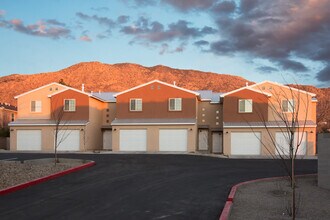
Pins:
x: 291, y: 104
x: 136, y: 105
x: 37, y: 106
x: 74, y: 106
x: 177, y: 107
x: 249, y: 101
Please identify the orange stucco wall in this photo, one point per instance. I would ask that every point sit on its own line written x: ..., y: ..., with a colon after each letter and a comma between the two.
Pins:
x: 155, y: 101
x: 82, y: 105
x: 259, y: 107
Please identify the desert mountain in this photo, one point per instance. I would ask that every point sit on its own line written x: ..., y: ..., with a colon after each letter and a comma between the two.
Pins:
x: 118, y: 77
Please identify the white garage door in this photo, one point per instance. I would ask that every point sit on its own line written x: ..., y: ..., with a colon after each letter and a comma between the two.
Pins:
x: 133, y: 140
x: 107, y: 140
x: 245, y: 143
x: 28, y: 139
x: 283, y: 140
x: 68, y: 140
x: 173, y: 139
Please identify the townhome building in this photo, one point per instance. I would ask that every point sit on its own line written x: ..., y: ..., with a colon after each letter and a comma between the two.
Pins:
x: 76, y: 115
x: 161, y: 117
x: 8, y: 114
x: 257, y: 120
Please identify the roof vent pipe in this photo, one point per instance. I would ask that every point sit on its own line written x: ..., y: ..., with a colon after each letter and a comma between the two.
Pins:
x: 174, y: 83
x: 246, y: 84
x: 83, y: 87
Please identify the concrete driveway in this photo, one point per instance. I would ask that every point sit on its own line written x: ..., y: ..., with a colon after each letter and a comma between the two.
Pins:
x: 139, y: 186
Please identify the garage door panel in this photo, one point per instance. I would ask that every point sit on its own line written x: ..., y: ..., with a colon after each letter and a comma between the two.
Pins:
x: 245, y: 143
x: 68, y: 140
x: 133, y: 140
x: 173, y: 140
x: 283, y: 140
x: 28, y: 139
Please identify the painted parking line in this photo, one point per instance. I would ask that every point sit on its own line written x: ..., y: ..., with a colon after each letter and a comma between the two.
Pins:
x: 14, y: 158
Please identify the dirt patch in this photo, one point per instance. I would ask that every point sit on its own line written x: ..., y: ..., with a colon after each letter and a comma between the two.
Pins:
x: 16, y: 172
x: 271, y: 199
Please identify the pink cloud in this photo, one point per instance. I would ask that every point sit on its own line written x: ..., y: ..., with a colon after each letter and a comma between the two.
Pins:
x: 85, y: 38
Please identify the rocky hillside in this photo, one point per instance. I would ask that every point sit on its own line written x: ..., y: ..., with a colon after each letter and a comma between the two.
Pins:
x: 118, y: 77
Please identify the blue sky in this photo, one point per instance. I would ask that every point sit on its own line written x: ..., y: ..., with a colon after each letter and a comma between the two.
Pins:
x: 284, y: 41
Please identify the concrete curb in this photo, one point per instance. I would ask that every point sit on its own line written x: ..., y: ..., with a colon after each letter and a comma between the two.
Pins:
x: 230, y: 199
x: 46, y: 178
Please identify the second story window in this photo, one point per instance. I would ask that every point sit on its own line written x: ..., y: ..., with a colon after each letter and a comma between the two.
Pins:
x: 69, y: 105
x: 288, y: 105
x: 175, y: 104
x: 135, y: 105
x: 245, y: 105
x: 35, y: 106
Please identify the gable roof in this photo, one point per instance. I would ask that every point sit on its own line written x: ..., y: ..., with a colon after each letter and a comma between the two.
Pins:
x: 284, y: 86
x: 8, y: 106
x: 36, y: 89
x: 246, y: 87
x: 153, y: 81
x: 69, y: 88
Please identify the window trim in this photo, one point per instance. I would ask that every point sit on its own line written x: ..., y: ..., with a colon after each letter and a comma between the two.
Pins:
x: 169, y: 105
x: 291, y: 107
x: 69, y: 105
x: 130, y: 107
x: 35, y: 106
x: 250, y: 101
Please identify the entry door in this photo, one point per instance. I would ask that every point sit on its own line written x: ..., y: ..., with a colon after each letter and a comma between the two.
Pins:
x: 217, y: 142
x: 203, y: 140
x: 107, y: 140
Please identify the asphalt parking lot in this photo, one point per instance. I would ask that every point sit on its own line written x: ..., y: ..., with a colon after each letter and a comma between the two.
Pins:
x: 139, y: 186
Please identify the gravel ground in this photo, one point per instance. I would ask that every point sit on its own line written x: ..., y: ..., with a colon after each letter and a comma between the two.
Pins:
x: 270, y: 200
x: 15, y: 172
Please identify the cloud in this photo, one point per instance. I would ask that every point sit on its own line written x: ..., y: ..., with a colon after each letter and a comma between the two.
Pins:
x: 2, y: 13
x: 201, y: 43
x: 186, y: 5
x: 143, y: 29
x: 165, y: 48
x: 267, y: 69
x: 100, y: 9
x: 85, y: 38
x: 122, y: 19
x: 101, y: 20
x: 139, y: 3
x: 48, y: 28
x: 224, y: 7
x: 324, y: 74
x: 281, y: 31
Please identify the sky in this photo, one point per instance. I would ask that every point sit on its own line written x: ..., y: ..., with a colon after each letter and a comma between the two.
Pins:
x: 287, y: 41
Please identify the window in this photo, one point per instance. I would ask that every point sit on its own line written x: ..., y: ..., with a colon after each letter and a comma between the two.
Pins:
x: 175, y: 104
x: 245, y: 105
x: 135, y: 105
x: 288, y: 105
x: 35, y: 106
x: 69, y: 105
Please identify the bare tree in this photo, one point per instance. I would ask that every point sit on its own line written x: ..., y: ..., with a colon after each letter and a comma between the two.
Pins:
x: 289, y: 109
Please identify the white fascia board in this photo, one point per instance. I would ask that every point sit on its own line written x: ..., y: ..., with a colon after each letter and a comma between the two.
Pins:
x: 246, y: 87
x: 69, y: 88
x: 284, y: 86
x: 264, y: 126
x: 150, y: 123
x: 40, y: 88
x: 158, y: 81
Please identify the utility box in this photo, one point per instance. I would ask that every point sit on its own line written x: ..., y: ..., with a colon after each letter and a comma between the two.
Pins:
x: 323, y: 146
